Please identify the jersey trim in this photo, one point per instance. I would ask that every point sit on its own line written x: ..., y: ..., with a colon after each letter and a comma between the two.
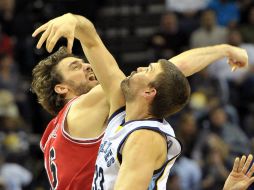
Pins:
x: 163, y: 170
x: 156, y: 129
x: 121, y: 109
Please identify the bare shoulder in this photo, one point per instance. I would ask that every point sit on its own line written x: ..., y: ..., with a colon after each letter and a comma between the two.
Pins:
x: 146, y: 145
x: 144, y: 137
x: 88, y: 114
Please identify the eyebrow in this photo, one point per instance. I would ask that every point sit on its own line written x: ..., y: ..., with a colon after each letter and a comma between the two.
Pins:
x: 73, y: 63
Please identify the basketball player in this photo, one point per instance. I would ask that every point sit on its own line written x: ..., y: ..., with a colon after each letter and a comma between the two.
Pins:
x: 130, y: 147
x: 240, y: 178
x: 84, y: 123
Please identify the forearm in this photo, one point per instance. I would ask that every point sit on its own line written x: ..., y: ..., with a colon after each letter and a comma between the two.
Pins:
x: 193, y: 61
x: 101, y: 60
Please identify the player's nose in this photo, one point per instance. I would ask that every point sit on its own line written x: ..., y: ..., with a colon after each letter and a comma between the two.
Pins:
x: 87, y: 67
x: 140, y: 69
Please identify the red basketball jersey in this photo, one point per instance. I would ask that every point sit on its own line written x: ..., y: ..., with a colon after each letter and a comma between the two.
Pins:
x: 69, y: 162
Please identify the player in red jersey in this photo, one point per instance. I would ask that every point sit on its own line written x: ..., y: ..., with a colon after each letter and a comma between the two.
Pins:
x: 71, y: 141
x: 61, y: 77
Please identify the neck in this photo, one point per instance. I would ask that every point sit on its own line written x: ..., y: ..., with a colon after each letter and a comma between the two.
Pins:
x: 69, y: 96
x: 136, y: 110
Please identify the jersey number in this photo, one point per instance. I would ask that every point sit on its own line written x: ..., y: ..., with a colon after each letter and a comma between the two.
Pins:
x: 53, y: 168
x: 99, y: 178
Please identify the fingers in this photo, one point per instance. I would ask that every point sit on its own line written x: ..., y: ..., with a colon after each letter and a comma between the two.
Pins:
x: 251, y: 171
x: 242, y: 162
x: 43, y: 37
x: 236, y: 164
x: 40, y: 29
x: 233, y: 68
x: 247, y: 164
x: 52, y: 42
x: 251, y: 181
x: 50, y: 37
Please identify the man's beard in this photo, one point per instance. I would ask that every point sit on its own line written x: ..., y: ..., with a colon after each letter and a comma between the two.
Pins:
x: 81, y: 88
x: 125, y: 87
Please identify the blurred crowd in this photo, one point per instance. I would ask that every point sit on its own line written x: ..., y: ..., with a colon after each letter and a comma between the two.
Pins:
x: 215, y: 127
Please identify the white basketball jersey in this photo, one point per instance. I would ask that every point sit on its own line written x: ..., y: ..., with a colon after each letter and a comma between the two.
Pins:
x: 110, y: 153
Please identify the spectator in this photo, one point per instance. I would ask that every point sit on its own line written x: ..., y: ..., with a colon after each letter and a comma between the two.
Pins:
x: 170, y: 39
x: 185, y: 6
x: 233, y: 135
x: 215, y: 164
x: 7, y: 104
x: 173, y: 182
x: 187, y: 132
x: 14, y: 175
x: 247, y: 30
x: 189, y: 173
x: 9, y: 75
x: 227, y: 12
x: 10, y: 79
x: 209, y: 32
x: 6, y: 43
x: 7, y: 15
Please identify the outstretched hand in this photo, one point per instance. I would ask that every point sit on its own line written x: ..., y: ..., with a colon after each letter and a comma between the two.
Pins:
x: 240, y: 177
x: 63, y: 26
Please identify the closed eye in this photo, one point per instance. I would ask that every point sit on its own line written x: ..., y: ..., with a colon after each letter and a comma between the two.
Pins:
x: 75, y: 65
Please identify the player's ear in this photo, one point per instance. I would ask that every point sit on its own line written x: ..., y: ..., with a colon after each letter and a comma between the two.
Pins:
x: 150, y: 93
x: 61, y: 89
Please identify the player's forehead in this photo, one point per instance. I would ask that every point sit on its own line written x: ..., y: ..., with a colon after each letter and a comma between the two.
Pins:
x: 155, y: 67
x: 65, y: 62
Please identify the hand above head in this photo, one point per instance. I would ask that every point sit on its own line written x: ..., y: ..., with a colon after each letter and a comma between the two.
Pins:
x: 63, y: 26
x: 240, y: 177
x: 69, y: 26
x: 237, y: 58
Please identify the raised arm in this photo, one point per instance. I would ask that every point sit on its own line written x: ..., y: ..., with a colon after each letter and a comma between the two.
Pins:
x: 194, y: 60
x: 103, y: 63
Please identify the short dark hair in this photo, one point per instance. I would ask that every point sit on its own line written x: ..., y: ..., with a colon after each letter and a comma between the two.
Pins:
x: 45, y: 76
x: 173, y: 91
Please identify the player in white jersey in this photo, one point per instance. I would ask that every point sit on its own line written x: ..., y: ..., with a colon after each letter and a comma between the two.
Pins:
x: 151, y: 93
x: 139, y: 146
x: 110, y: 153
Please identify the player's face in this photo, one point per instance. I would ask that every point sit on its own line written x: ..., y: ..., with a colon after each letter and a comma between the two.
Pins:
x: 77, y: 75
x: 139, y: 80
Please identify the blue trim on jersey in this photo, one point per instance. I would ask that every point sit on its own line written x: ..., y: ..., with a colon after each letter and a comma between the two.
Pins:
x: 156, y: 129
x: 155, y: 177
x: 115, y: 113
x: 162, y: 169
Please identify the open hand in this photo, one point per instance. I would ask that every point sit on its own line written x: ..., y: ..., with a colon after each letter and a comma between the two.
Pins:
x: 240, y: 177
x: 63, y: 26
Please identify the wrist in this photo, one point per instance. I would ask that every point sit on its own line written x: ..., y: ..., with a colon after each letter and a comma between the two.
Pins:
x: 84, y: 28
x: 225, y: 50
